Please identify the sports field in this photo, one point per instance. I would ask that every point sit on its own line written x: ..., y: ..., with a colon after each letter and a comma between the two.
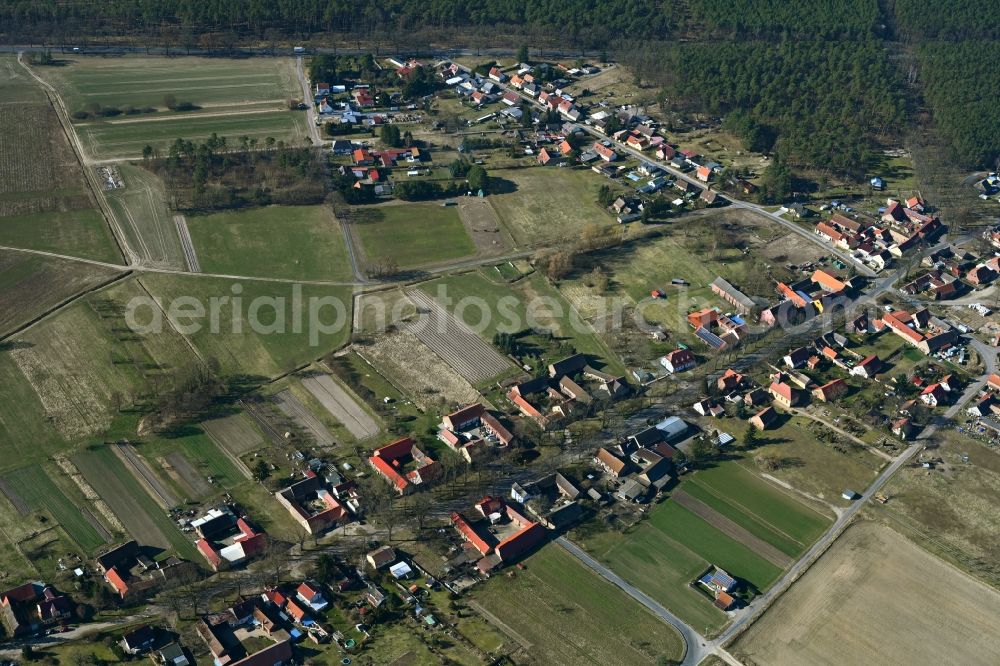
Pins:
x: 279, y: 342
x: 549, y: 204
x: 413, y: 234
x: 230, y: 97
x: 877, y: 598
x: 562, y: 613
x: 294, y: 242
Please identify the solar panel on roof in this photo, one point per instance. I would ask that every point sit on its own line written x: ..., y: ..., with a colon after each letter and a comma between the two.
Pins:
x: 709, y: 338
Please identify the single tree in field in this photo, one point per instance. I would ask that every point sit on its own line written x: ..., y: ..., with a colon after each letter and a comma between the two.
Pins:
x: 261, y: 471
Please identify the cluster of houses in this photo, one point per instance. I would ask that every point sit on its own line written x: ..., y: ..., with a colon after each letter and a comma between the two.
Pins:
x: 131, y: 572
x: 561, y: 396
x: 226, y: 539
x: 919, y: 329
x: 31, y: 607
x: 497, y: 532
x: 717, y: 330
x: 641, y: 466
x: 986, y: 406
x: 275, y: 619
x: 404, y: 465
x: 473, y: 432
x: 807, y: 298
x: 901, y: 226
x: 159, y: 645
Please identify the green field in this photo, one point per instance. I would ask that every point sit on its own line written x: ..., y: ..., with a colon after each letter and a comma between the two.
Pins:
x: 413, y: 234
x: 570, y: 616
x: 730, y: 488
x: 142, y: 213
x: 277, y: 345
x: 79, y: 233
x: 38, y: 491
x: 233, y: 98
x: 529, y: 303
x: 143, y: 518
x: 664, y: 553
x: 16, y: 85
x: 31, y: 284
x: 126, y: 138
x: 63, y: 376
x: 294, y: 242
x: 713, y: 546
x: 549, y: 204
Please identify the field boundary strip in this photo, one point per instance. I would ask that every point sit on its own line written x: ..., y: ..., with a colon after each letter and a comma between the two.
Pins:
x: 735, y: 503
x: 145, y: 475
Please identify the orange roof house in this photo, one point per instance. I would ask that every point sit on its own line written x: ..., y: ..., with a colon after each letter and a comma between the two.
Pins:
x: 827, y: 281
x: 830, y: 390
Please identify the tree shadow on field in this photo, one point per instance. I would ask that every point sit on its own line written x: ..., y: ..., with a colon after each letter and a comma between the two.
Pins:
x: 11, y: 345
x: 502, y: 185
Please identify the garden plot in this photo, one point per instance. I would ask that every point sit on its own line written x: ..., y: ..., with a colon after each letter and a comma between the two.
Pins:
x: 186, y: 474
x: 416, y: 371
x: 145, y: 475
x: 234, y: 433
x: 293, y: 408
x: 455, y: 342
x: 341, y: 405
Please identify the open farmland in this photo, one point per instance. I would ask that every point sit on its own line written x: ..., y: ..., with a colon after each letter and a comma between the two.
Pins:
x: 874, y: 597
x: 665, y: 552
x: 549, y: 204
x: 278, y: 342
x: 230, y: 97
x: 44, y: 198
x: 567, y: 615
x: 81, y: 361
x: 294, y: 242
x: 38, y: 492
x: 411, y: 235
x: 32, y: 284
x: 415, y: 370
x: 292, y: 407
x: 454, y: 342
x: 142, y: 213
x: 342, y: 405
x: 236, y: 433
x: 529, y: 304
x: 142, y: 517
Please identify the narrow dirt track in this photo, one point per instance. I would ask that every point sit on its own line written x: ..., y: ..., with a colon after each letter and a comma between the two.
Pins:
x: 190, y: 256
x: 731, y: 529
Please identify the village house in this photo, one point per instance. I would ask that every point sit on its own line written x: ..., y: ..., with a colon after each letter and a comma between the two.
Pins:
x: 831, y: 390
x: 610, y: 463
x: 764, y: 419
x: 783, y: 394
x: 678, y: 360
x: 32, y: 606
x: 868, y: 367
x: 130, y: 572
x: 404, y: 465
x: 501, y: 536
x: 227, y: 540
x: 312, y: 504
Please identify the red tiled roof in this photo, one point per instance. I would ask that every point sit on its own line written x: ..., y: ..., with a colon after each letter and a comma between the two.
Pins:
x: 781, y: 389
x: 466, y: 530
x: 521, y: 542
x: 116, y: 581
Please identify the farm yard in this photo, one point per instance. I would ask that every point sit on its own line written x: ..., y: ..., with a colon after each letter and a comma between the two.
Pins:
x: 549, y: 204
x: 293, y: 242
x: 876, y: 597
x: 229, y: 97
x: 467, y: 353
x: 411, y: 235
x: 562, y: 613
x: 723, y: 516
x: 32, y: 284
